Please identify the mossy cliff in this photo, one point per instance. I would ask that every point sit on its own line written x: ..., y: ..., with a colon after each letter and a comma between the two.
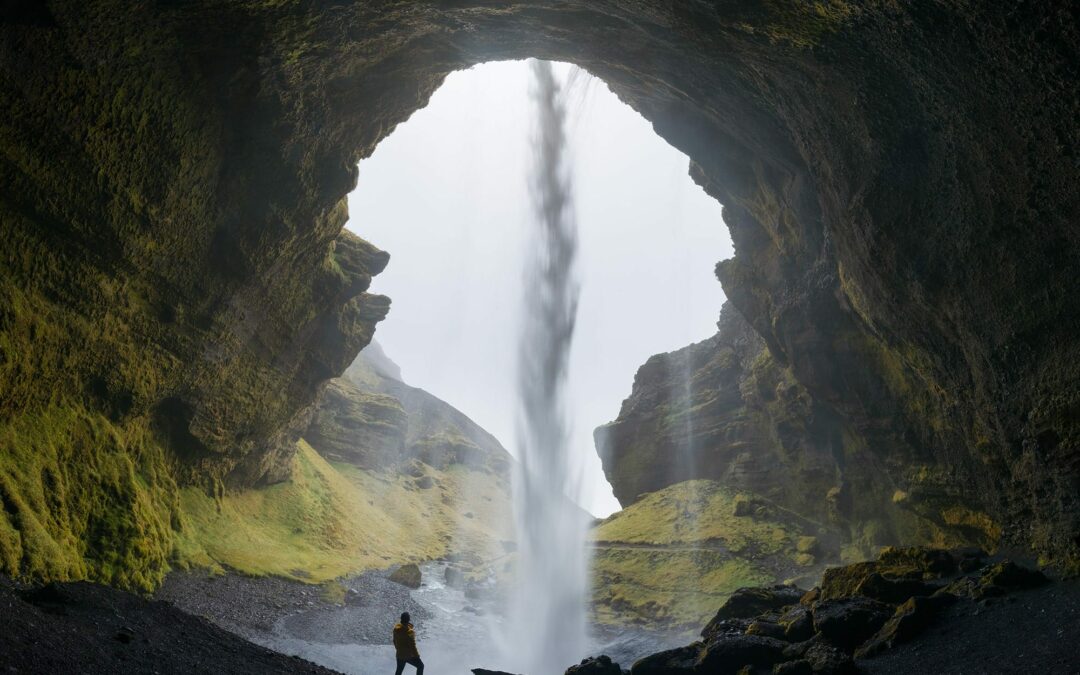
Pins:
x: 900, y: 180
x: 674, y: 556
x: 354, y: 501
x: 725, y: 410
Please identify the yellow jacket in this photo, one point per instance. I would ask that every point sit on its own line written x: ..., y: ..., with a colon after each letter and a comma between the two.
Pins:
x: 405, y: 642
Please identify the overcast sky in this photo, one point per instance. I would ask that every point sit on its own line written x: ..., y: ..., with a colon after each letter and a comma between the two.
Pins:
x: 446, y: 195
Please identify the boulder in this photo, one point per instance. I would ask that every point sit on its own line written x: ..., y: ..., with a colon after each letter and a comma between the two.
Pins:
x: 910, y: 619
x: 848, y: 622
x: 748, y: 603
x: 893, y: 591
x: 732, y: 652
x: 1007, y: 574
x: 599, y: 665
x: 798, y: 624
x: 407, y: 575
x: 828, y: 660
x: 800, y: 667
x: 678, y: 661
x: 454, y: 577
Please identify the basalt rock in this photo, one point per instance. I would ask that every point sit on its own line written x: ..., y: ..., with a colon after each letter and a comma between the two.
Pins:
x: 599, y: 665
x: 900, y: 181
x: 813, y: 634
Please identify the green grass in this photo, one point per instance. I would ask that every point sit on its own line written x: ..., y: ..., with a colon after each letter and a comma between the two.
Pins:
x: 693, y: 511
x: 680, y: 588
x: 331, y: 520
x: 84, y: 499
x: 675, y: 555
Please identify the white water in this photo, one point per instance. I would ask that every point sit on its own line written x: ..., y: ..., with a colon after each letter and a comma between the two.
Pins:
x: 547, y: 618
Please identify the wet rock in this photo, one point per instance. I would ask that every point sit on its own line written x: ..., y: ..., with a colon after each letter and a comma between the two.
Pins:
x: 748, y: 603
x: 893, y: 591
x: 678, y: 661
x: 732, y: 652
x: 1009, y: 575
x: 766, y: 629
x: 800, y: 667
x: 454, y: 577
x: 893, y: 577
x: 828, y: 660
x: 910, y: 619
x: 848, y: 622
x: 600, y: 665
x: 930, y: 562
x: 843, y: 582
x: 798, y: 624
x: 407, y: 575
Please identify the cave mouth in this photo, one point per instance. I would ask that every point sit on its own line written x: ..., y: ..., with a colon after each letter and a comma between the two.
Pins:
x: 451, y: 195
x: 446, y: 196
x: 899, y: 180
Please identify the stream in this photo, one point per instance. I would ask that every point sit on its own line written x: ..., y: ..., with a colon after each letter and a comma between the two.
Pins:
x: 454, y: 632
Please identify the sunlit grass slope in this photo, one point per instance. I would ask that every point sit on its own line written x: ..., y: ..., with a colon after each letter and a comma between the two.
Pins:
x: 677, y: 554
x: 330, y: 520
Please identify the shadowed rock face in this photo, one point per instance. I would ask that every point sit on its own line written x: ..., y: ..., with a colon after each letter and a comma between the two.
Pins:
x: 900, y: 182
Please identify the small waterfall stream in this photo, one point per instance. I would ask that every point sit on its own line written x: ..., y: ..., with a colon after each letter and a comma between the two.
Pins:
x: 547, y: 622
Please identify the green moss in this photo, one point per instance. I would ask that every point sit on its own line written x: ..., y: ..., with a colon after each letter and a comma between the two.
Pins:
x: 678, y: 587
x: 84, y: 498
x: 675, y: 555
x: 330, y: 520
x: 692, y: 511
x: 805, y: 24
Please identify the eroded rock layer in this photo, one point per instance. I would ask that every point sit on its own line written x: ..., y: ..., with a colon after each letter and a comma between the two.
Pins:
x: 725, y: 410
x: 900, y: 180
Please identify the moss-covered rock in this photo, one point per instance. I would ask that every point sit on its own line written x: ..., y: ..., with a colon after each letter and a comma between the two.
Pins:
x: 675, y: 555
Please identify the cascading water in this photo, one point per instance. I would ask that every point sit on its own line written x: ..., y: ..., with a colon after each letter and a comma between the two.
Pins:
x: 547, y: 614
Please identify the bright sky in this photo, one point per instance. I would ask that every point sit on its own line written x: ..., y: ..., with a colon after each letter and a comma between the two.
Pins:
x: 446, y: 196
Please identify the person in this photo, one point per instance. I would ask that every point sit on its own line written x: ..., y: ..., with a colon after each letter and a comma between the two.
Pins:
x: 405, y: 646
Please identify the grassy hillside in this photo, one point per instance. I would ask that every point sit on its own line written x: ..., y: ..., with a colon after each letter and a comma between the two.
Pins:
x: 676, y: 555
x: 335, y: 519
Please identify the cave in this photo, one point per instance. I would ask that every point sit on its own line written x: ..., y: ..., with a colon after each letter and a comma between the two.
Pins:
x: 900, y: 181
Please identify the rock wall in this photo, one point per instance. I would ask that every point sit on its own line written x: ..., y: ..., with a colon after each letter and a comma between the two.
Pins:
x: 900, y: 181
x: 725, y: 410
x: 370, y: 418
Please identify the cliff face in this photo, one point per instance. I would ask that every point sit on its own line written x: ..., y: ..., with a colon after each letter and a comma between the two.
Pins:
x: 725, y: 410
x: 900, y: 181
x: 370, y: 418
x: 722, y: 410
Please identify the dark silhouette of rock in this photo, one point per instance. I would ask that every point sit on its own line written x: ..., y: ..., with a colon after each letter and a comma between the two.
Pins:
x: 848, y: 622
x: 599, y: 665
x: 730, y: 653
x: 747, y: 603
x: 669, y: 662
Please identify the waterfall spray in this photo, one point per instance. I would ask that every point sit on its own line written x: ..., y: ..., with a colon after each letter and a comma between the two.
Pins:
x: 547, y: 618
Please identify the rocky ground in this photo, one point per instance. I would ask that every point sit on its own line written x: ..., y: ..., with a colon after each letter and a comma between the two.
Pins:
x: 87, y: 628
x: 912, y: 610
x: 255, y: 607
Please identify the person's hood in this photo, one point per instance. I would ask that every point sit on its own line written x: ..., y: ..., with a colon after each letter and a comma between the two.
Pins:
x: 398, y: 626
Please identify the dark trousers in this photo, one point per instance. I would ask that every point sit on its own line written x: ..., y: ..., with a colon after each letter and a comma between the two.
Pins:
x: 412, y: 662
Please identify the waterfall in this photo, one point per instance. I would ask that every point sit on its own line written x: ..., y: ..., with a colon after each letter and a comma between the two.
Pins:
x: 547, y: 614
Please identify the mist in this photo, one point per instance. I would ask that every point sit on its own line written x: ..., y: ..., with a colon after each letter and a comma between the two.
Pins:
x: 445, y: 194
